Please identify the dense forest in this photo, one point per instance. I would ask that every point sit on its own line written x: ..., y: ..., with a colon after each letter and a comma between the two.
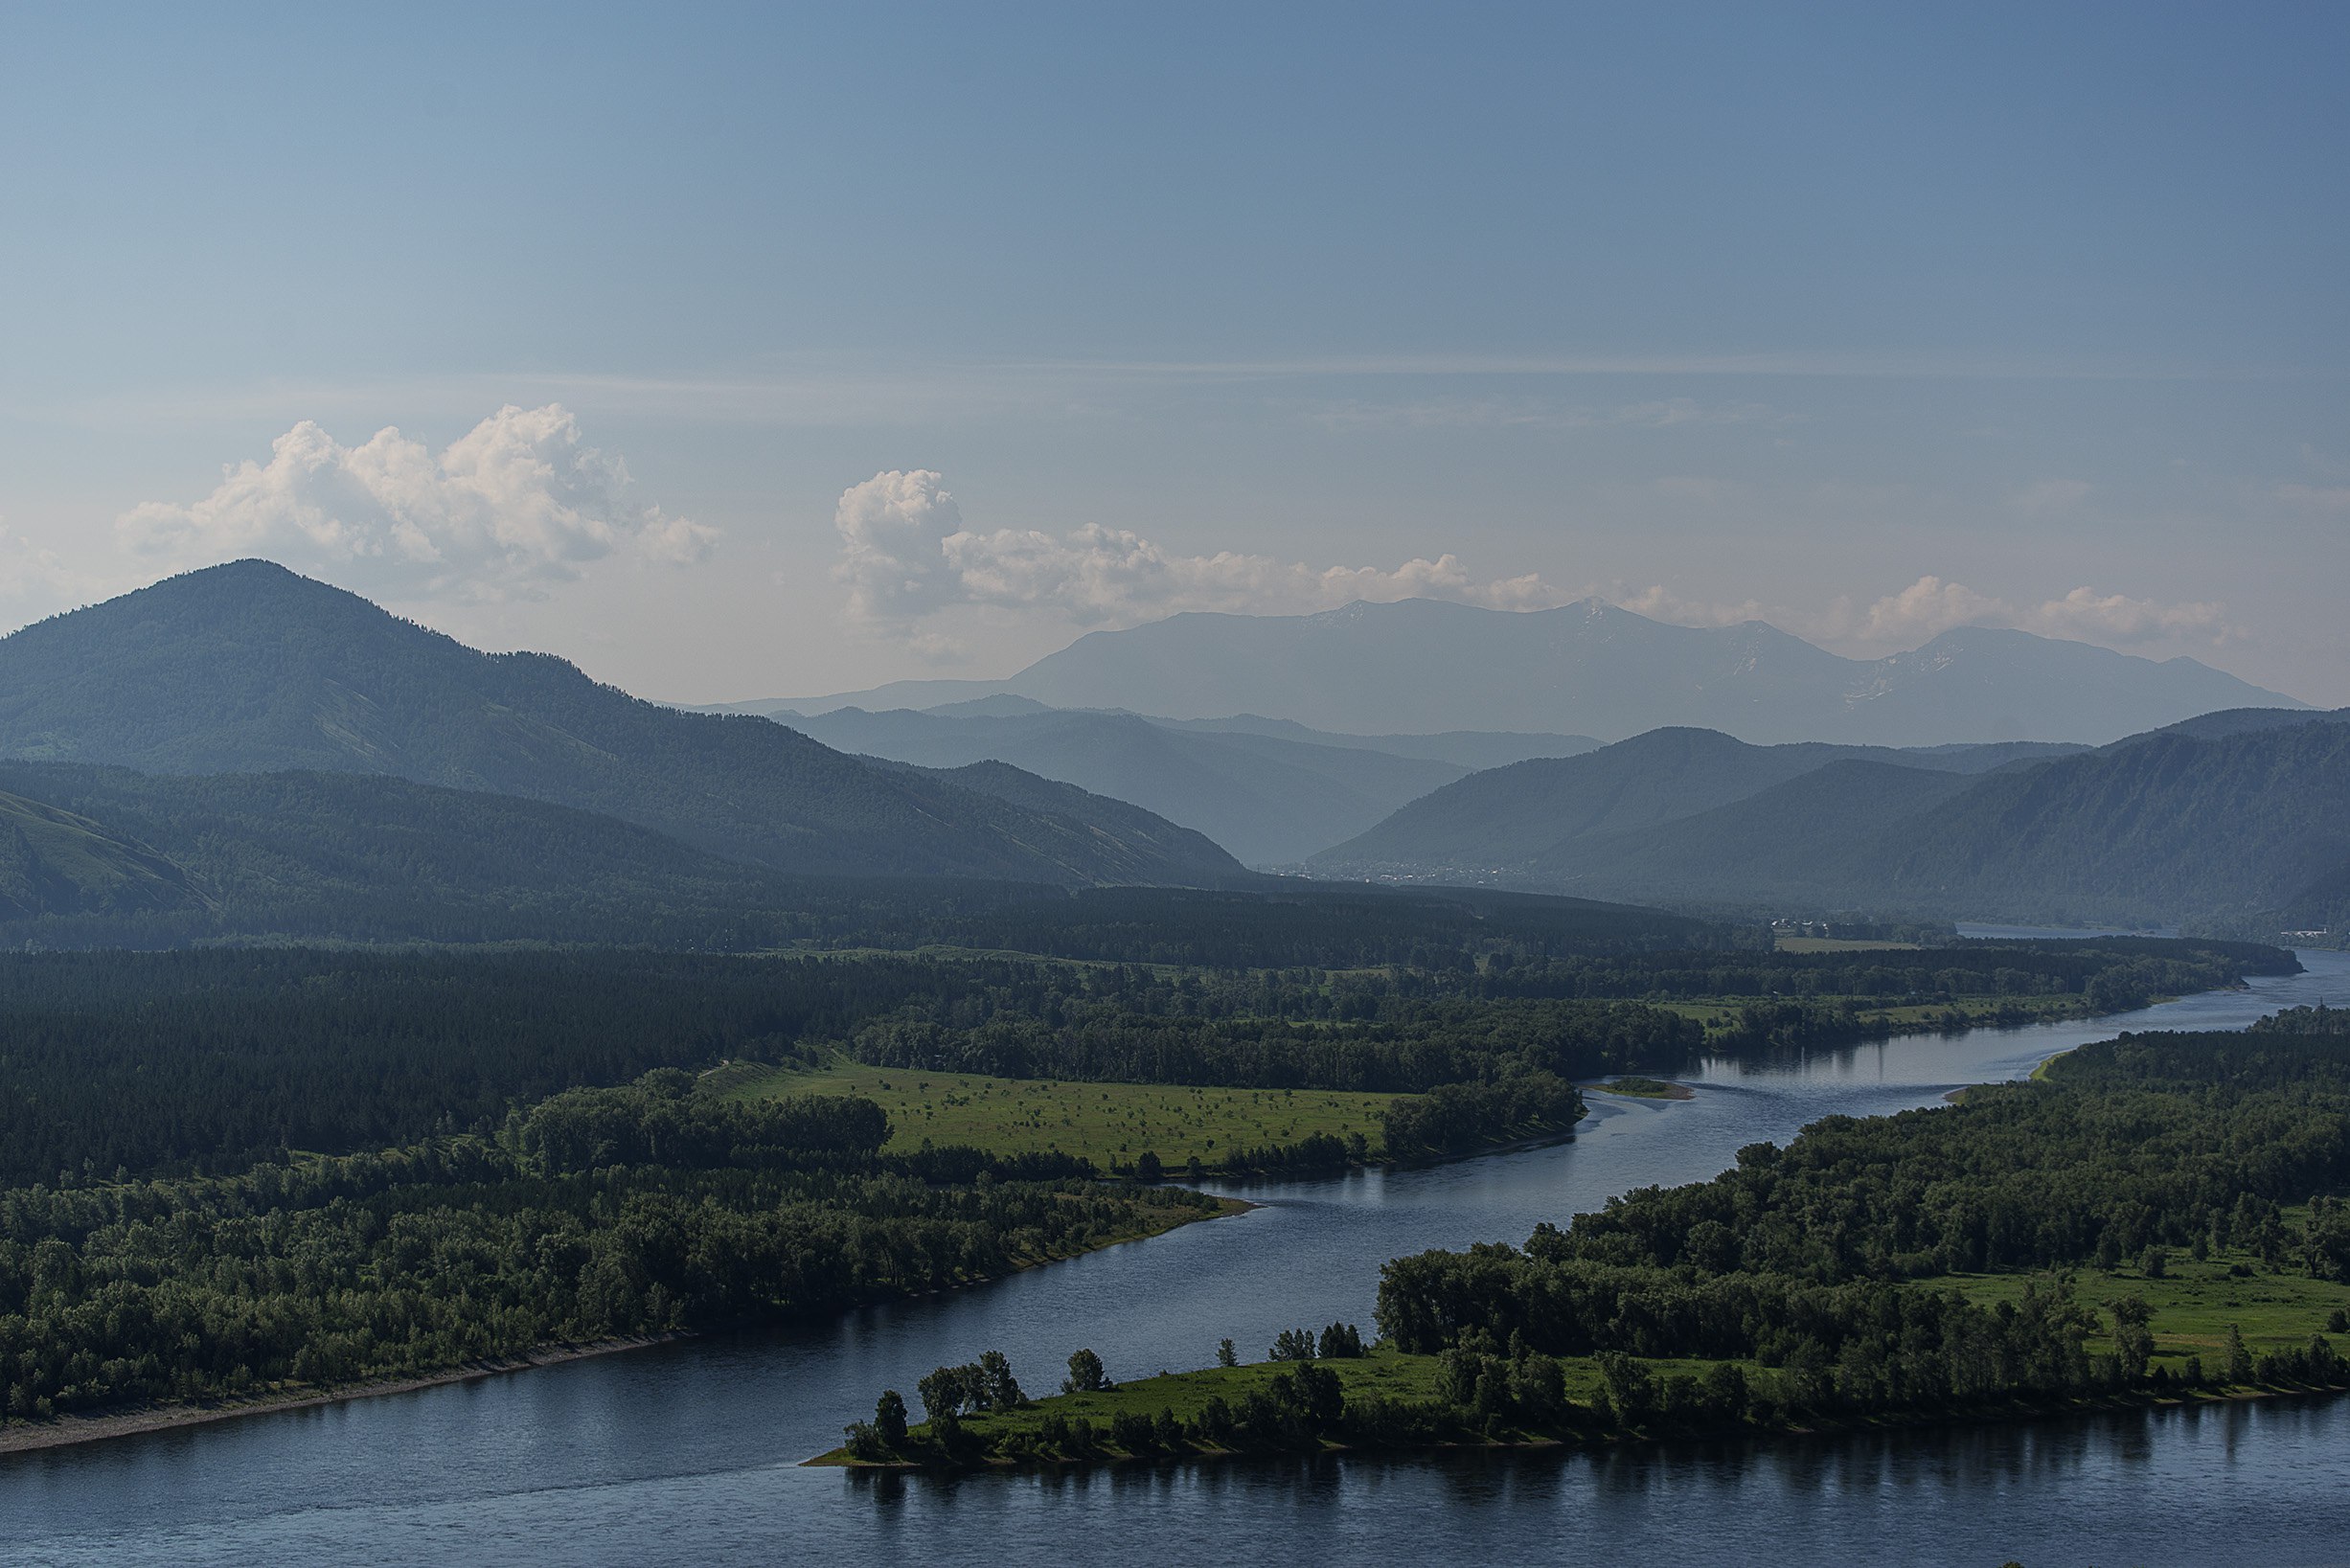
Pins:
x: 599, y: 1213
x: 181, y: 1063
x: 1829, y: 1257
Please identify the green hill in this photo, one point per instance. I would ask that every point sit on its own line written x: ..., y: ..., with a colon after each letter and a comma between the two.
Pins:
x: 1506, y: 818
x: 56, y: 862
x: 248, y: 668
x: 2237, y: 823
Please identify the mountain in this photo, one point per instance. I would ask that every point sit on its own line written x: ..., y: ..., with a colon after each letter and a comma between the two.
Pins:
x: 1592, y: 668
x: 1270, y: 799
x: 111, y: 858
x: 248, y: 668
x: 1508, y: 818
x: 2246, y: 828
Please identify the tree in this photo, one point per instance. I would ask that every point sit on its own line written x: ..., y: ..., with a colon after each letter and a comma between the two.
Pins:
x: 1340, y: 1339
x: 1293, y: 1345
x: 2239, y: 1357
x: 1085, y: 1375
x: 1148, y: 1166
x: 942, y: 1393
x: 994, y: 1387
x: 1225, y: 1355
x: 889, y: 1420
x: 2134, y: 1341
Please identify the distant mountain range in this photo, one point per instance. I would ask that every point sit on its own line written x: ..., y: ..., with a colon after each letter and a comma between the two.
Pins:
x: 1592, y: 668
x: 2236, y: 818
x: 1269, y: 791
x: 248, y: 668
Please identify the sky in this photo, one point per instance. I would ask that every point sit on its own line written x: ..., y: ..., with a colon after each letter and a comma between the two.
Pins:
x: 761, y: 351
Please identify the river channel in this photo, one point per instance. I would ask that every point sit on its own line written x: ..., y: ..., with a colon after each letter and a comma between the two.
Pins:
x: 688, y: 1452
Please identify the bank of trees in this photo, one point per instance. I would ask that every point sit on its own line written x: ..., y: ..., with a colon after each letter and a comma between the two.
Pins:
x: 625, y: 1212
x: 1820, y: 1258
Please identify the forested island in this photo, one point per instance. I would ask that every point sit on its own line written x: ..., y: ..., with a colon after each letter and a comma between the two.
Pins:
x: 261, y: 1174
x: 2157, y: 1218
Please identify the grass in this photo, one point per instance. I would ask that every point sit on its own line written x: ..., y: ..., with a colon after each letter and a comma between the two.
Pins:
x: 1647, y: 1088
x: 1836, y: 945
x: 1110, y: 1123
x: 2194, y: 1304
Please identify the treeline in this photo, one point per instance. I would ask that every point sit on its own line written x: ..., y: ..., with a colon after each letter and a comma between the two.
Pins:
x: 1411, y: 1048
x: 1815, y: 1257
x: 2112, y: 973
x: 631, y: 1211
x: 208, y: 1061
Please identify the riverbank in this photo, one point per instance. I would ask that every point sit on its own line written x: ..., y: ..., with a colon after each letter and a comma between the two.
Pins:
x: 75, y: 1428
x: 68, y: 1430
x: 1386, y: 1403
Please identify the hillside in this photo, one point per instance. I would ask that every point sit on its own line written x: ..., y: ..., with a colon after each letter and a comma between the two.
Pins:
x: 248, y: 668
x: 2247, y: 829
x: 58, y: 862
x: 1269, y: 799
x: 1592, y: 668
x: 2165, y: 827
x: 166, y: 860
x: 1506, y: 817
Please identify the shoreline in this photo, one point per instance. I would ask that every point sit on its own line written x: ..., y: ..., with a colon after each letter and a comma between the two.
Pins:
x: 2110, y: 1403
x: 74, y: 1430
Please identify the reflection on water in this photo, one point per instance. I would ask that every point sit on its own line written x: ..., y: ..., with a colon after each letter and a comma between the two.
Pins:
x: 688, y: 1452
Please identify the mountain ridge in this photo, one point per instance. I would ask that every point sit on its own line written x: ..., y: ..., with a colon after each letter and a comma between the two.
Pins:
x: 248, y: 668
x: 1420, y: 665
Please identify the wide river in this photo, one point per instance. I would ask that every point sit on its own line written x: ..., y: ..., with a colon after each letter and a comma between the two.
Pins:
x: 688, y: 1453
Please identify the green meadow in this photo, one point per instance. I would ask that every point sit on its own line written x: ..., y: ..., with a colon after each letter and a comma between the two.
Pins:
x: 1110, y: 1123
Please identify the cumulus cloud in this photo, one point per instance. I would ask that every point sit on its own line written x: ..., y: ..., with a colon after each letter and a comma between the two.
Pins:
x: 1932, y: 605
x: 1924, y: 609
x: 906, y: 554
x: 2117, y: 618
x: 517, y: 502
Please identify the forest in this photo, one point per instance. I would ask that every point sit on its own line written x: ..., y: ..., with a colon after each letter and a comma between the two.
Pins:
x: 601, y: 1212
x: 224, y: 1171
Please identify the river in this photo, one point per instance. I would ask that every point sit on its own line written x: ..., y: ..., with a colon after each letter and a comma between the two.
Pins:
x: 687, y: 1452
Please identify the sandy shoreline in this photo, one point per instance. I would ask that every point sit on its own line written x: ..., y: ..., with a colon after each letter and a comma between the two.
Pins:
x: 66, y: 1431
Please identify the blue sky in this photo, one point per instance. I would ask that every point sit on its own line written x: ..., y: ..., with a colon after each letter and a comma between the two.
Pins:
x: 1864, y: 320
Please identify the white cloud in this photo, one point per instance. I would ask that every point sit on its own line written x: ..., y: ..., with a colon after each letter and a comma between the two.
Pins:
x: 517, y: 502
x: 1932, y: 605
x: 2115, y: 618
x: 1926, y: 609
x: 906, y: 554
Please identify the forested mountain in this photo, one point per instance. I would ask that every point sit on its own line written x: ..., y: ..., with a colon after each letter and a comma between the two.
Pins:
x: 1592, y: 668
x: 248, y: 668
x: 1270, y: 801
x: 1509, y: 816
x: 110, y: 857
x: 2248, y: 827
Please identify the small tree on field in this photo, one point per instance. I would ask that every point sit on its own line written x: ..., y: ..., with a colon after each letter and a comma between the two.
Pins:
x: 1085, y: 1375
x: 1225, y: 1355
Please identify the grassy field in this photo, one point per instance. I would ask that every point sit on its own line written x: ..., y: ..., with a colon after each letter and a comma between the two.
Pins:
x: 1646, y: 1088
x: 2194, y: 1304
x: 1110, y: 1123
